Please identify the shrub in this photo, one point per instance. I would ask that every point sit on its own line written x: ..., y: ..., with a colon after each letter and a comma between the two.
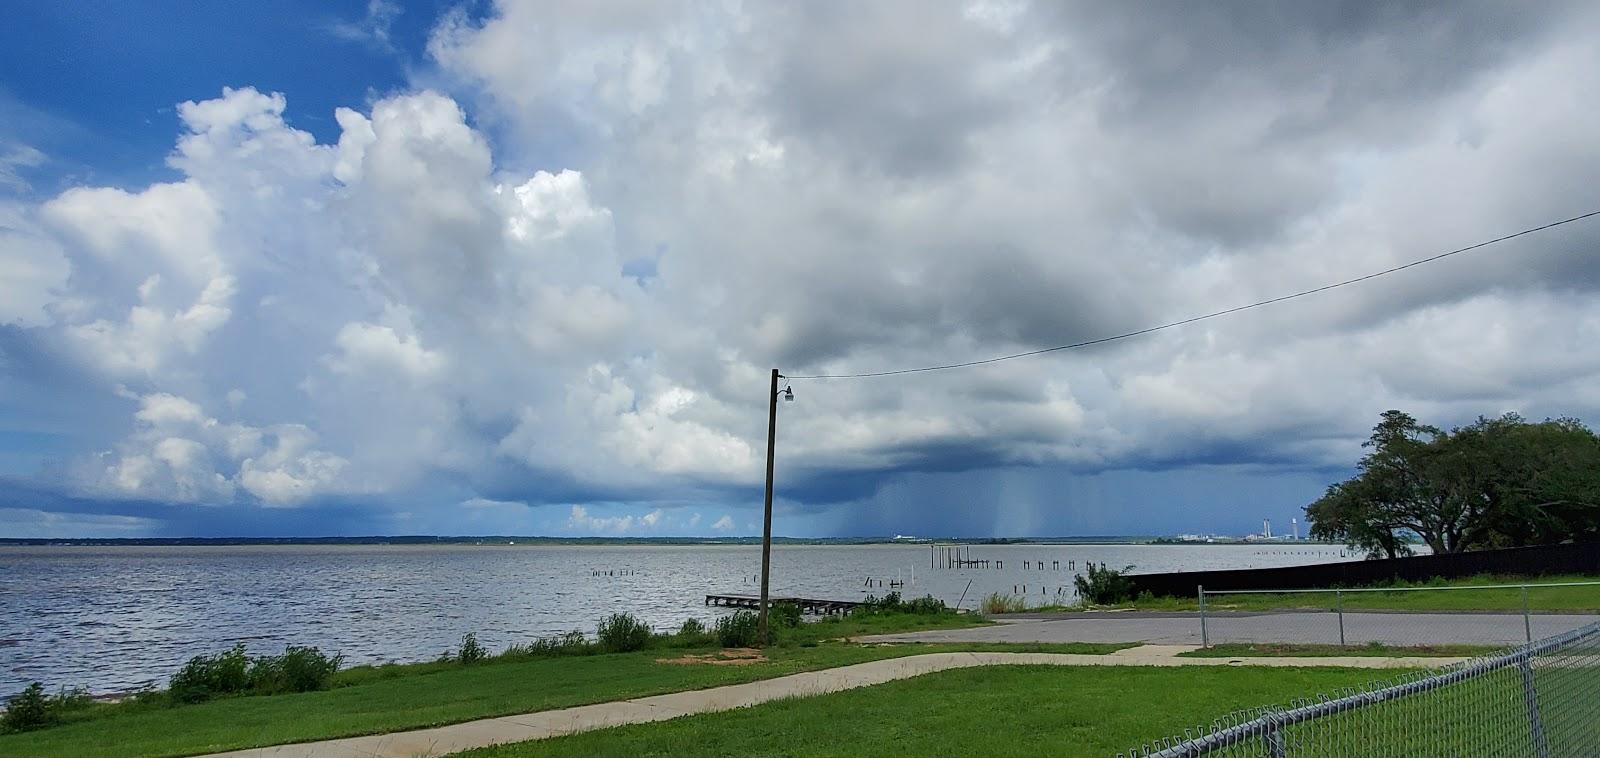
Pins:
x: 889, y: 603
x: 622, y: 633
x: 784, y: 616
x: 32, y: 709
x: 299, y: 669
x: 693, y: 633
x: 927, y: 605
x: 571, y: 643
x: 737, y: 629
x: 471, y: 651
x: 693, y: 628
x: 27, y: 710
x: 208, y: 676
x: 1104, y: 585
x: 998, y: 603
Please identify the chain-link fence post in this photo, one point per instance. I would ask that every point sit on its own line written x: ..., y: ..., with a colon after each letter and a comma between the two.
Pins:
x: 1527, y: 622
x: 1530, y: 698
x: 1338, y: 607
x: 1205, y: 640
x: 1272, y: 740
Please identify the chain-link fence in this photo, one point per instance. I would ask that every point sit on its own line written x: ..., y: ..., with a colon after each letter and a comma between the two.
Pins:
x: 1541, y: 699
x: 1481, y: 615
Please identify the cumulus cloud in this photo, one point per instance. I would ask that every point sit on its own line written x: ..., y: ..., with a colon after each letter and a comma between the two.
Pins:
x: 581, y: 521
x: 425, y: 305
x: 179, y: 453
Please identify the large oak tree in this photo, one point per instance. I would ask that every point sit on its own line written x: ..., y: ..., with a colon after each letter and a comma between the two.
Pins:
x: 1499, y: 482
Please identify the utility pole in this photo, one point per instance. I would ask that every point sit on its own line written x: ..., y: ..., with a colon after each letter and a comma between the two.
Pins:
x: 762, y: 633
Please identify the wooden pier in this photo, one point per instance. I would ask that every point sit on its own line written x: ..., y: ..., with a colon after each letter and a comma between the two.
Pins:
x: 807, y: 605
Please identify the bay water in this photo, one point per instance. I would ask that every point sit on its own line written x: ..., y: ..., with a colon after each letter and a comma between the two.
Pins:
x: 118, y: 618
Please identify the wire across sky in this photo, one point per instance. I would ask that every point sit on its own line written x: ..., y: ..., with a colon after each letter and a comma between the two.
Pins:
x: 1193, y: 319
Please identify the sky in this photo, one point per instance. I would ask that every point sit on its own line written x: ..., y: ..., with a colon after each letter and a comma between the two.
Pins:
x: 355, y: 268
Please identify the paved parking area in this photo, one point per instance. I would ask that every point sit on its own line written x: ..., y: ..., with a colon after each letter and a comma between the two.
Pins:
x: 1285, y: 627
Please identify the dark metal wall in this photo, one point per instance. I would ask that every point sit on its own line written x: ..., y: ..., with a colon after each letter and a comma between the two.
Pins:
x: 1581, y: 558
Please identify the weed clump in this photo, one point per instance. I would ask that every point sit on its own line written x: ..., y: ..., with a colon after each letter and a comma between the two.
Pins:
x: 693, y: 633
x: 298, y: 669
x: 622, y: 633
x: 210, y: 676
x: 32, y: 709
x: 571, y: 643
x: 737, y: 629
x: 892, y: 603
x: 997, y: 603
x: 471, y: 651
x: 927, y: 605
x: 784, y: 615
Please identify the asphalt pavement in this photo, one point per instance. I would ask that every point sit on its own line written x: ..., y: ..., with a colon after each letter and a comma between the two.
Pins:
x: 1407, y: 629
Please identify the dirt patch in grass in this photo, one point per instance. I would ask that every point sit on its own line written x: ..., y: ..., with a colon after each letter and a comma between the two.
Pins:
x: 739, y: 656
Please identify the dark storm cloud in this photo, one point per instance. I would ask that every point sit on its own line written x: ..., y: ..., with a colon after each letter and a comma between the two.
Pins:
x: 1231, y: 110
x: 892, y: 85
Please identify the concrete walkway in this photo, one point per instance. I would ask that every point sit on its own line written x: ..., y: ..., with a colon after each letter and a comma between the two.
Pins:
x: 1390, y: 628
x: 532, y: 726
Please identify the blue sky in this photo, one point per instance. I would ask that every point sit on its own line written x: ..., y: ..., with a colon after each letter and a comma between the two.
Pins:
x: 95, y: 84
x: 521, y: 267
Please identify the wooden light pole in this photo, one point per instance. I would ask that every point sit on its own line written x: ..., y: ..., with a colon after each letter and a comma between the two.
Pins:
x: 762, y: 632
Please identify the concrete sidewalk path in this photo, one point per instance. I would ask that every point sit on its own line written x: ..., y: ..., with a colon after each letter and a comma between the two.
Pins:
x: 532, y: 726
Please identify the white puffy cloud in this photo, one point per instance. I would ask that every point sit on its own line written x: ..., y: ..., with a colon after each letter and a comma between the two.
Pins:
x: 290, y: 471
x: 179, y: 453
x: 378, y: 349
x: 581, y: 521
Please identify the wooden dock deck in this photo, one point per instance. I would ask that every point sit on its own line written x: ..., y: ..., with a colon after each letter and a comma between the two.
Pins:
x: 807, y: 604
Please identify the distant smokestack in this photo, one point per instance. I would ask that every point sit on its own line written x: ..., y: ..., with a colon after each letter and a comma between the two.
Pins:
x: 1296, y: 524
x: 1266, y: 528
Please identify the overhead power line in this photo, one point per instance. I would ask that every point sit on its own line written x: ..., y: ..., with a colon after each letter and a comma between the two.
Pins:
x: 1193, y: 319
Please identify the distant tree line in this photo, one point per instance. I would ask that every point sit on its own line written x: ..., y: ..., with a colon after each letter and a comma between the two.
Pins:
x: 1498, y: 482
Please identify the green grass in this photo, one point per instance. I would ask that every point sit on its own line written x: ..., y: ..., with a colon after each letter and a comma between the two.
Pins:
x: 1245, y: 650
x: 1507, y: 599
x: 1004, y: 710
x: 367, y: 700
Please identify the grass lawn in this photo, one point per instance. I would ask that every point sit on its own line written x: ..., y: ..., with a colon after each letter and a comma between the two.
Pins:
x: 368, y: 700
x: 1507, y: 599
x: 1001, y: 710
x: 1247, y: 650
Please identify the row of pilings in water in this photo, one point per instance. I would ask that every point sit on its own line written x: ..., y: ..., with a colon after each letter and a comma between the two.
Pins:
x: 960, y: 556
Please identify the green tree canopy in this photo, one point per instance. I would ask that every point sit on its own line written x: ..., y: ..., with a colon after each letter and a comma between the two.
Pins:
x: 1498, y: 482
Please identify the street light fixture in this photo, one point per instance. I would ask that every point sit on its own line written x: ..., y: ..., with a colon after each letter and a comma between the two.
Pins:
x: 762, y: 632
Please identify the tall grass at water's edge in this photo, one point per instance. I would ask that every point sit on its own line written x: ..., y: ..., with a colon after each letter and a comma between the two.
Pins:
x: 233, y: 673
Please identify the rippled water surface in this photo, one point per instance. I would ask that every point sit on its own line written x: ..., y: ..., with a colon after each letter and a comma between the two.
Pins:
x: 116, y: 618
